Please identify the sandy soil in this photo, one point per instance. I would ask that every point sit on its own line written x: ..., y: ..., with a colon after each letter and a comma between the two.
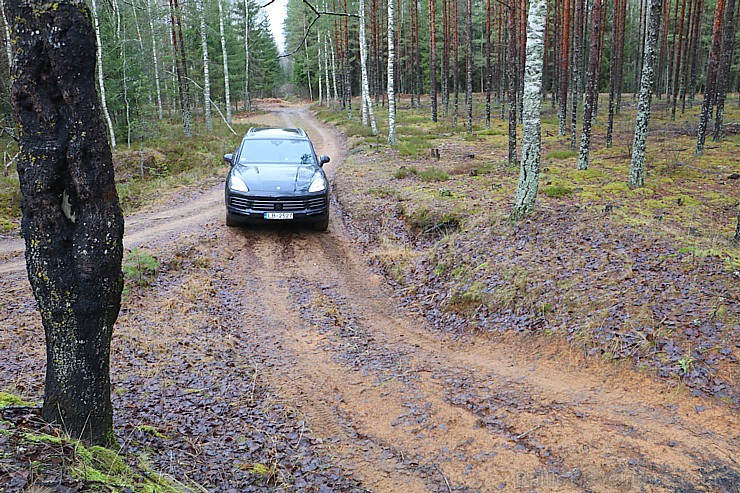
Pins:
x: 401, y: 409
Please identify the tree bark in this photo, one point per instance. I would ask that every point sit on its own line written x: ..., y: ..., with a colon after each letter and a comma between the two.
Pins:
x: 512, y: 71
x: 637, y: 165
x: 710, y: 91
x: 160, y: 113
x: 227, y: 91
x: 246, y: 55
x: 206, y: 72
x: 469, y: 63
x: 367, y: 106
x: 564, y: 58
x: 101, y: 85
x: 433, y: 59
x: 526, y: 193
x: 725, y: 64
x: 594, y: 59
x: 72, y: 223
x: 392, y: 139
x: 488, y: 64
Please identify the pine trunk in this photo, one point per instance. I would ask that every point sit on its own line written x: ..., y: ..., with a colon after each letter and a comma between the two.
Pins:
x: 710, y: 91
x: 160, y: 112
x: 677, y: 82
x: 526, y: 193
x: 725, y: 64
x: 512, y: 70
x: 247, y: 103
x: 72, y: 222
x: 594, y: 59
x: 637, y: 165
x: 469, y: 63
x: 564, y: 59
x: 455, y: 62
x: 433, y: 58
x: 488, y: 64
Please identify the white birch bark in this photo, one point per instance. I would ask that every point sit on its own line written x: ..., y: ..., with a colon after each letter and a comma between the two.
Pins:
x: 8, y: 48
x: 206, y: 72
x: 334, y: 70
x: 326, y: 70
x: 637, y: 165
x: 246, y: 54
x: 318, y: 68
x: 227, y: 92
x: 103, y: 104
x: 392, y: 138
x: 367, y: 107
x: 529, y: 174
x: 156, y: 60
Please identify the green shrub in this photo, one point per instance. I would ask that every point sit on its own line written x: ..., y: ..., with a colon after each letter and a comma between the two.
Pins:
x: 140, y: 267
x: 433, y: 174
x: 405, y: 172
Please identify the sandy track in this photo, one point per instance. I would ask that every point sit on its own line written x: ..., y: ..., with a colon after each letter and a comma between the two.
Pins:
x: 404, y: 410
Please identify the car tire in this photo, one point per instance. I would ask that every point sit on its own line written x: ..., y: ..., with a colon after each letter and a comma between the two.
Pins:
x: 322, y: 225
x: 230, y: 221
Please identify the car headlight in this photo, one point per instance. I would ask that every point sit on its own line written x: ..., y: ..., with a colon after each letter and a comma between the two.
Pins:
x: 318, y: 184
x: 237, y: 184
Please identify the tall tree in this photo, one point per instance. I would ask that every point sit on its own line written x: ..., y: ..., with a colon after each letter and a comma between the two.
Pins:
x: 72, y: 223
x: 710, y: 92
x: 526, y: 193
x: 511, y: 63
x: 433, y: 59
x: 469, y: 62
x: 592, y: 84
x: 637, y: 165
x: 488, y: 64
x: 392, y: 138
x: 101, y: 78
x: 181, y: 67
x: 367, y: 105
x: 155, y: 59
x: 564, y: 59
x: 725, y: 65
x: 206, y: 72
x: 225, y: 54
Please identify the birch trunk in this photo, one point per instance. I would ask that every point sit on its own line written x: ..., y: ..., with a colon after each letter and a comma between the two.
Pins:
x: 526, y: 193
x: 367, y: 107
x: 227, y: 91
x: 392, y: 139
x: 8, y: 47
x: 246, y: 54
x: 637, y: 166
x: 594, y: 59
x: 206, y: 72
x: 333, y: 71
x: 318, y: 72
x: 156, y: 60
x: 101, y: 85
x: 326, y: 70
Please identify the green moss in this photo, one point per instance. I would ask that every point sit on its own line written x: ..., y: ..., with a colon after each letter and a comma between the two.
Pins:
x: 557, y: 191
x: 7, y: 399
x: 616, y: 187
x: 562, y: 154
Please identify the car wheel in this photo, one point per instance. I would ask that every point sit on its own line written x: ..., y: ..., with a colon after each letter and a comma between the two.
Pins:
x: 322, y: 225
x: 230, y: 221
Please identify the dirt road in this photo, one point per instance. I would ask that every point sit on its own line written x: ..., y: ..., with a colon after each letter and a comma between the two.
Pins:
x: 401, y: 409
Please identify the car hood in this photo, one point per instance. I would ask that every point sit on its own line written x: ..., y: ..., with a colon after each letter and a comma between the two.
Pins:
x: 280, y: 178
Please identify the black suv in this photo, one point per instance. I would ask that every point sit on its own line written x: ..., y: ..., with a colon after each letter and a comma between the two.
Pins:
x: 275, y: 177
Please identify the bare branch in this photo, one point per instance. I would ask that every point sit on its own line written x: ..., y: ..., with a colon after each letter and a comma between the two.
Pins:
x: 318, y: 14
x: 215, y: 106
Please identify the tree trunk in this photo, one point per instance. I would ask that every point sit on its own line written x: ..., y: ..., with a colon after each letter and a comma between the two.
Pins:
x: 710, y: 91
x: 99, y: 58
x: 526, y: 193
x: 326, y: 69
x: 367, y: 106
x: 576, y: 82
x: 725, y: 64
x: 246, y: 55
x: 677, y: 81
x: 512, y: 70
x: 696, y: 43
x: 736, y: 238
x: 181, y: 68
x: 469, y: 63
x: 72, y: 223
x: 488, y: 64
x: 455, y: 61
x: 433, y: 59
x: 637, y: 165
x: 8, y: 48
x: 594, y: 59
x: 614, y: 68
x: 392, y: 139
x: 564, y: 59
x: 206, y: 73
x: 227, y: 91
x: 160, y: 113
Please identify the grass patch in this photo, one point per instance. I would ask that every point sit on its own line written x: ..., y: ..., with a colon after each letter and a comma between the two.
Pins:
x: 405, y: 172
x: 433, y: 174
x: 557, y: 191
x: 561, y: 154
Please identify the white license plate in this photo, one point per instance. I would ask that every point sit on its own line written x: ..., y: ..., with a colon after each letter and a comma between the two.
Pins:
x: 278, y: 215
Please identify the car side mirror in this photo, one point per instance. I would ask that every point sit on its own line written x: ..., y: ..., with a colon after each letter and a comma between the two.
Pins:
x: 323, y: 160
x: 229, y: 158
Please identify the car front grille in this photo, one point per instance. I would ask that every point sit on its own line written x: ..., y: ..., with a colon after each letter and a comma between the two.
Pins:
x: 277, y: 204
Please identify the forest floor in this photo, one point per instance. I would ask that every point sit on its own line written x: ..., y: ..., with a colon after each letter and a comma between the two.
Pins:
x: 379, y: 357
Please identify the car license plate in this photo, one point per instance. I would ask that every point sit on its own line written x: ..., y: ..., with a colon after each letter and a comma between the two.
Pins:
x: 278, y: 215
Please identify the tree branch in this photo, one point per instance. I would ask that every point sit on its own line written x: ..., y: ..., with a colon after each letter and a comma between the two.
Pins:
x: 215, y: 106
x: 318, y: 14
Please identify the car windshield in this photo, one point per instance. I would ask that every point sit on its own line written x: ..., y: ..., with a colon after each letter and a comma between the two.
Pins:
x: 274, y: 151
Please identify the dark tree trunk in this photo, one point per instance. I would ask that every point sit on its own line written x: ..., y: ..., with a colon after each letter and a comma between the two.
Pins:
x: 710, y: 91
x: 511, y: 75
x: 615, y: 68
x: 72, y: 223
x: 445, y: 56
x: 725, y: 64
x: 620, y: 55
x: 488, y: 64
x: 576, y: 83
x: 686, y: 63
x: 677, y: 85
x: 433, y: 59
x: 695, y: 51
x: 736, y: 238
x: 469, y: 63
x: 455, y: 61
